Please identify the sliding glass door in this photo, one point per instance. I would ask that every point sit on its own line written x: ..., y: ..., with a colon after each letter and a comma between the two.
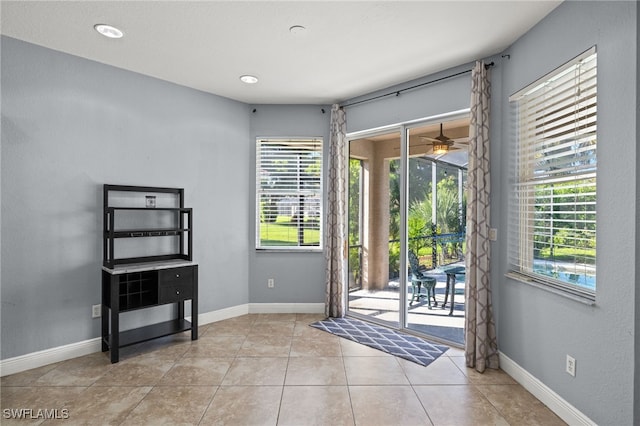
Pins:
x: 374, y: 220
x: 435, y: 217
x: 406, y: 202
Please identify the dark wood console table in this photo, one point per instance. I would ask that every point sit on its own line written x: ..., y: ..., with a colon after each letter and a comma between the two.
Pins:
x: 139, y: 286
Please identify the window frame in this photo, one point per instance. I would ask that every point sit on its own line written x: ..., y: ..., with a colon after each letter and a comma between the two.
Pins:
x: 297, y: 143
x: 530, y: 175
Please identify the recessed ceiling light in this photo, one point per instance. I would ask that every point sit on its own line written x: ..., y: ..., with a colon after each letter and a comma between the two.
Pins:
x: 297, y: 29
x: 108, y: 31
x: 249, y: 79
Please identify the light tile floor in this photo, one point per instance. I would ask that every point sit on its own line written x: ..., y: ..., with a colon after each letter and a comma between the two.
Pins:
x: 268, y: 369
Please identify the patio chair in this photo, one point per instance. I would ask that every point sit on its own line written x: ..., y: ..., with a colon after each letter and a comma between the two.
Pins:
x: 420, y: 279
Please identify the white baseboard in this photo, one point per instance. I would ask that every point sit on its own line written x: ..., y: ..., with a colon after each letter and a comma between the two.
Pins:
x: 62, y: 353
x: 286, y: 308
x: 49, y: 356
x: 546, y: 395
x: 222, y: 314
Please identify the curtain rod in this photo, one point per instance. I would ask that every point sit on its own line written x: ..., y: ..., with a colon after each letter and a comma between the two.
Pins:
x: 397, y: 92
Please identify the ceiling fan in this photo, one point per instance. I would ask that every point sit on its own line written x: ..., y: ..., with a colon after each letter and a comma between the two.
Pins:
x: 441, y: 143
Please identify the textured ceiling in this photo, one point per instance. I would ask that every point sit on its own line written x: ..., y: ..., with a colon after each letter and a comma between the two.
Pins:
x: 349, y: 48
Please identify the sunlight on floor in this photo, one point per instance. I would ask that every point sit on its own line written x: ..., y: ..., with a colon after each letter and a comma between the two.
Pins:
x: 384, y: 305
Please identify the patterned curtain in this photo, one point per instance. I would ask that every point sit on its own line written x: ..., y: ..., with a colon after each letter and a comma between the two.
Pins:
x: 480, y: 333
x: 335, y: 242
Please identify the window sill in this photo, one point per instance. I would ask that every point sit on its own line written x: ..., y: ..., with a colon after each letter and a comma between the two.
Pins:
x: 532, y: 282
x: 288, y: 250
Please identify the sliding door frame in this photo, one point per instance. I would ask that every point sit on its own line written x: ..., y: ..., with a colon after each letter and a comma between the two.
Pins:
x: 403, y: 128
x: 385, y: 130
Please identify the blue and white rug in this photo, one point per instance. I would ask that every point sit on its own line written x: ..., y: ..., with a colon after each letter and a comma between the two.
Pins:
x: 390, y: 341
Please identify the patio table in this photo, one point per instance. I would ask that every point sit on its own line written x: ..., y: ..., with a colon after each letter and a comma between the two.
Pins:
x: 451, y: 284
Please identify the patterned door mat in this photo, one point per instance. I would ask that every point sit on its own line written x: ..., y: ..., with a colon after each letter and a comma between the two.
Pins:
x: 390, y: 341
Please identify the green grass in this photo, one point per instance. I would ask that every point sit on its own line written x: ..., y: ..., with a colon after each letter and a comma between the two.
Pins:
x: 284, y: 233
x: 568, y: 254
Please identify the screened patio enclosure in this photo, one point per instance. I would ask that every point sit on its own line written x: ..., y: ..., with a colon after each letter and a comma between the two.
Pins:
x: 400, y: 205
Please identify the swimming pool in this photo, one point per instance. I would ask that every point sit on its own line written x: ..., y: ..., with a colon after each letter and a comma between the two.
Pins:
x: 583, y: 280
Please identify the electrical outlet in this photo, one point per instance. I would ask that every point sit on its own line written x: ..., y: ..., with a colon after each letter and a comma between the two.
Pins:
x: 493, y: 234
x: 96, y: 311
x: 271, y: 283
x: 571, y: 365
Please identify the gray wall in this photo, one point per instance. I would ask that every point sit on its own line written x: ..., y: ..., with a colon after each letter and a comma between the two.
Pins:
x: 538, y: 329
x: 70, y: 125
x: 636, y: 393
x: 299, y: 276
x: 448, y: 95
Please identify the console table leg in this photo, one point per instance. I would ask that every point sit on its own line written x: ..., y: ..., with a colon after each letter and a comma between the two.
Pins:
x: 104, y: 317
x: 114, y: 343
x: 194, y: 306
x: 181, y: 310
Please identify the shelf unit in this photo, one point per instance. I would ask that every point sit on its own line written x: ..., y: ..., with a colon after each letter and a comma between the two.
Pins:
x: 136, y: 282
x: 182, y: 225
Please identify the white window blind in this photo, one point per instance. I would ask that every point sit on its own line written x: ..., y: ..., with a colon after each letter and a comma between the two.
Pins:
x: 553, y: 208
x: 289, y: 193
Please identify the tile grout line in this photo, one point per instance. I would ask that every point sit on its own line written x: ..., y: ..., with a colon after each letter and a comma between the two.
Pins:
x: 284, y: 379
x: 406, y: 375
x: 209, y: 404
x: 421, y: 403
x: 347, y: 385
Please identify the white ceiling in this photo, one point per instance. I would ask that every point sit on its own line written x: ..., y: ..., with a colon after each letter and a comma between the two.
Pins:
x: 349, y: 48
